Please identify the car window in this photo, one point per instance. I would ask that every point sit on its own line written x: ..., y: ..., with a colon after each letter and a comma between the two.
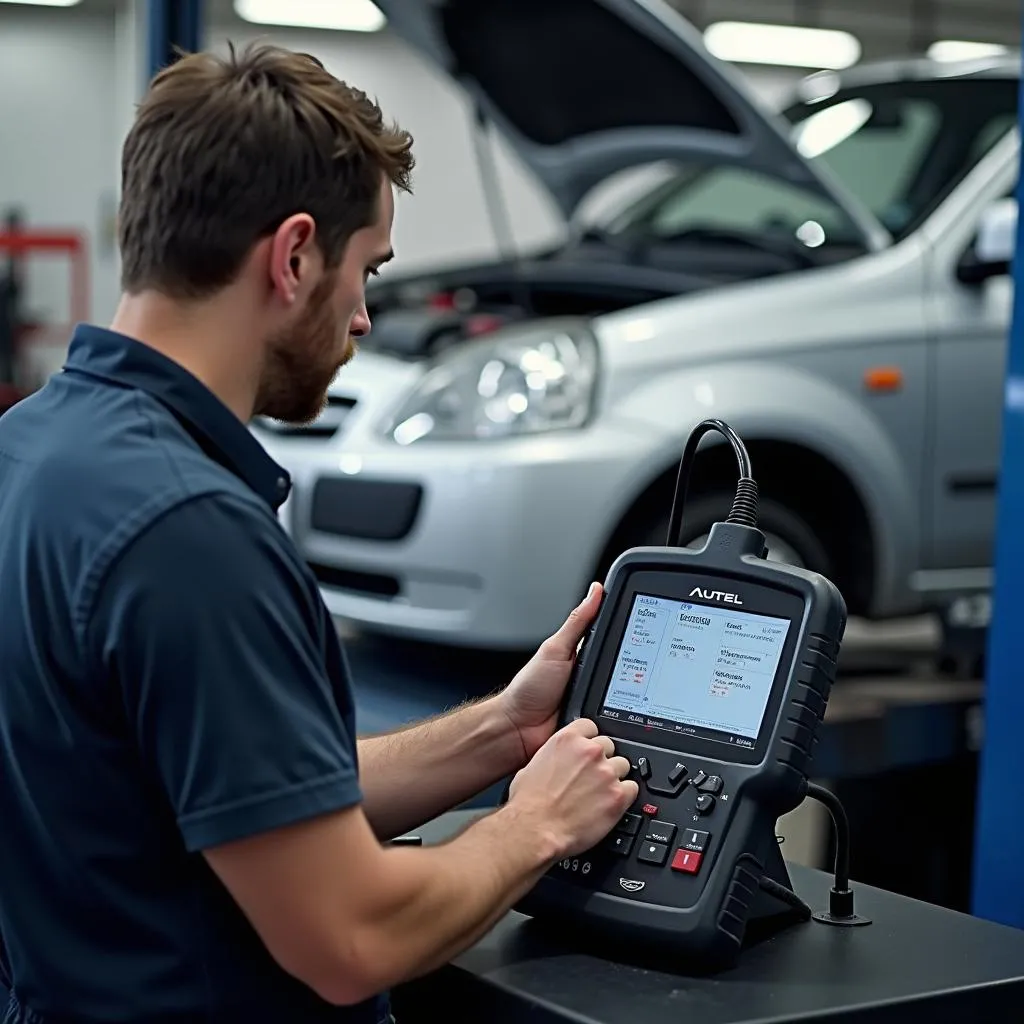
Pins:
x: 990, y: 134
x: 734, y: 198
x: 899, y: 147
x: 881, y: 151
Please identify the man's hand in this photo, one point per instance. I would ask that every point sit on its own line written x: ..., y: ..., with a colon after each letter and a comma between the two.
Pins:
x: 575, y: 787
x: 532, y: 699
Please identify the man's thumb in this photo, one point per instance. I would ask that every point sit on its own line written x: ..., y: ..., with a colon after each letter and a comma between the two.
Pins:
x: 579, y: 620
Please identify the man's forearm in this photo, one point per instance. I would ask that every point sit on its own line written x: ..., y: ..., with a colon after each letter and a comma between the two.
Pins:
x: 415, y: 774
x: 461, y: 890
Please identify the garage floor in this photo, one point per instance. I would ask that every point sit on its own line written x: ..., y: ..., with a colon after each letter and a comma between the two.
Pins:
x: 399, y: 682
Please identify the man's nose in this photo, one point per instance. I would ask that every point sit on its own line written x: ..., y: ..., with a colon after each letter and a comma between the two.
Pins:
x: 361, y: 323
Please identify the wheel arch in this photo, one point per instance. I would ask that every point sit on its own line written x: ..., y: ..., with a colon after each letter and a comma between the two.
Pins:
x: 792, y: 473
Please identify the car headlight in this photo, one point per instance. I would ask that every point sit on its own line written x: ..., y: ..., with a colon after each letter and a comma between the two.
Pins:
x: 528, y: 382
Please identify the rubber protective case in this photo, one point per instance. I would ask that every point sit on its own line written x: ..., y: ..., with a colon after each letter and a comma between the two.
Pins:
x: 706, y: 918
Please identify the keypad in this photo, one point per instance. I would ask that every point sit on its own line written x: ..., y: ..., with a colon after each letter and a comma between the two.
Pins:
x: 665, y: 830
x: 650, y: 836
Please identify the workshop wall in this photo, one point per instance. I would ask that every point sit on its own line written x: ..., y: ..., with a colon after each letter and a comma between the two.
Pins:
x: 66, y: 93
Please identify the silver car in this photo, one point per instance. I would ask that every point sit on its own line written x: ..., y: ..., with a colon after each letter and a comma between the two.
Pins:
x: 833, y: 282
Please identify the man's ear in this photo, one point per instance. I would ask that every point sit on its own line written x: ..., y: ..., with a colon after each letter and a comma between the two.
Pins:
x: 294, y: 258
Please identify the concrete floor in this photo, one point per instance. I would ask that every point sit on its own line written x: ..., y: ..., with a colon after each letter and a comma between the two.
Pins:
x: 399, y: 682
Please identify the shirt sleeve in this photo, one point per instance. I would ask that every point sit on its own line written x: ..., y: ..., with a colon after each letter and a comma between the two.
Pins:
x: 212, y: 637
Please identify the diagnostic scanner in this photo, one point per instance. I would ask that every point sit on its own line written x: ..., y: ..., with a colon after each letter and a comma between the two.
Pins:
x: 710, y: 669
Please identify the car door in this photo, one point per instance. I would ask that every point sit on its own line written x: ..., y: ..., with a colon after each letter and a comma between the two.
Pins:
x: 970, y: 323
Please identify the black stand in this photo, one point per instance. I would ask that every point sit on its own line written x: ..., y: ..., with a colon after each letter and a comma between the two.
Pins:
x: 768, y: 913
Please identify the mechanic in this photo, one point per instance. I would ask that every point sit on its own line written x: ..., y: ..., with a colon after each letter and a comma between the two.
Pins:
x: 191, y: 831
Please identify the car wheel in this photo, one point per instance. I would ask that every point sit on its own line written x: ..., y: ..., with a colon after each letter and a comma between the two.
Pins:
x: 790, y: 540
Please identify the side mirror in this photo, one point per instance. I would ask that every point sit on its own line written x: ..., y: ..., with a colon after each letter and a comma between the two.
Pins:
x: 993, y: 249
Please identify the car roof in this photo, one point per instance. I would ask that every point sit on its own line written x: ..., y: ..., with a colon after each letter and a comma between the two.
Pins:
x: 912, y: 69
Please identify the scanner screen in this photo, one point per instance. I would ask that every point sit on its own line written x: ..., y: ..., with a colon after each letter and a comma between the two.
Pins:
x: 695, y: 670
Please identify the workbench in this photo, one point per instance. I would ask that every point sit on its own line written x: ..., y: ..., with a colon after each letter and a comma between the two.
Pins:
x: 914, y: 963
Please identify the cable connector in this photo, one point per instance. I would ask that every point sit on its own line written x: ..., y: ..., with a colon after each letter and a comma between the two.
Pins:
x: 744, y: 505
x: 840, y: 897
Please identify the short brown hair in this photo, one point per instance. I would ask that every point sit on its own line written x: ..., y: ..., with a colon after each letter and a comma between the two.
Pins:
x: 223, y: 149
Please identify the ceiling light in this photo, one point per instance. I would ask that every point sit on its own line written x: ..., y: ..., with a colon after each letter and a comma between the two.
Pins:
x: 961, y: 49
x: 342, y: 15
x: 782, y: 45
x: 43, y: 3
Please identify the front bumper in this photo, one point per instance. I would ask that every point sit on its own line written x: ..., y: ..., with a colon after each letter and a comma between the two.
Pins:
x: 501, y: 544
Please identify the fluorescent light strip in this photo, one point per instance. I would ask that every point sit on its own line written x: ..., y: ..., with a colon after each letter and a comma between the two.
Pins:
x: 340, y: 15
x: 962, y: 49
x: 43, y: 3
x: 782, y: 45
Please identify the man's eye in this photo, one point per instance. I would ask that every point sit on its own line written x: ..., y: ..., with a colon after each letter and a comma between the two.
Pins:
x: 372, y: 272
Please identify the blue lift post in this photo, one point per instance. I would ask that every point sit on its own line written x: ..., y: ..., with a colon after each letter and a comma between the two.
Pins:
x: 999, y: 831
x: 172, y: 25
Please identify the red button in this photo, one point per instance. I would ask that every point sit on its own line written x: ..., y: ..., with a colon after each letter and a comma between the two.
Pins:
x: 650, y: 809
x: 687, y: 860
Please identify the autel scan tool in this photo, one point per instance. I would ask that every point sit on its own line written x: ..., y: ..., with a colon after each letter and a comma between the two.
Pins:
x: 711, y: 670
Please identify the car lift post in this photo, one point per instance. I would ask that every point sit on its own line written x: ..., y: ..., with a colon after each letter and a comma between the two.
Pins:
x: 998, y: 883
x: 172, y: 25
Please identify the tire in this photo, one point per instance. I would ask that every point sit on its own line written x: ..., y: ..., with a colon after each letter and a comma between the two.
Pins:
x: 790, y: 539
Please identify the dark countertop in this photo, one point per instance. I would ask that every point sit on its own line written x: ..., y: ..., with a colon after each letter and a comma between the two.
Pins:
x: 914, y: 962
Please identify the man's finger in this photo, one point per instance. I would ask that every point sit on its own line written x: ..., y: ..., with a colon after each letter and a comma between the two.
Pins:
x: 569, y: 635
x: 583, y: 726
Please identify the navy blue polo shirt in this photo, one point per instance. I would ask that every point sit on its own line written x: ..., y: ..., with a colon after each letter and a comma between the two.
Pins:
x: 169, y: 680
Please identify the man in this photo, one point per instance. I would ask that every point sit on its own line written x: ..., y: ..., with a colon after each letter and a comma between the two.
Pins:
x: 190, y: 830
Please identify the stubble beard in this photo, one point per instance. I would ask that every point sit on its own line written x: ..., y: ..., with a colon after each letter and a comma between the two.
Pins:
x: 302, y: 362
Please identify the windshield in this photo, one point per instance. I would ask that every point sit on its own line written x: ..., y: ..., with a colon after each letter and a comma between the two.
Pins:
x: 898, y: 147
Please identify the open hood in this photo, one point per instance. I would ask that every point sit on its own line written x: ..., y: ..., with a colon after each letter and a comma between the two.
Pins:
x: 583, y: 89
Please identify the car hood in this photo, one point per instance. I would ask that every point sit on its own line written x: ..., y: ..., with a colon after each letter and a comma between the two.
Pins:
x: 584, y: 89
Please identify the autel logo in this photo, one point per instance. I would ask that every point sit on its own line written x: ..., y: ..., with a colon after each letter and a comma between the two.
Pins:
x: 716, y: 595
x: 631, y: 885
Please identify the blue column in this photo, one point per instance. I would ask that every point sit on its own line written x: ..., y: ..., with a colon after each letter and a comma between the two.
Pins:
x: 172, y: 24
x: 999, y: 831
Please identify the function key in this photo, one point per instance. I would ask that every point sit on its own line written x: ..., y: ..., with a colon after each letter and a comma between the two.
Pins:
x: 643, y: 766
x: 660, y: 832
x: 630, y: 824
x: 712, y: 784
x: 699, y: 779
x: 694, y: 840
x: 687, y: 861
x: 705, y: 803
x: 653, y: 853
x: 677, y: 774
x: 620, y: 844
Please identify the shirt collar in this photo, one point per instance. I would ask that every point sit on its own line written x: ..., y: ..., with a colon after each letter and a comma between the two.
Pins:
x: 115, y: 357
